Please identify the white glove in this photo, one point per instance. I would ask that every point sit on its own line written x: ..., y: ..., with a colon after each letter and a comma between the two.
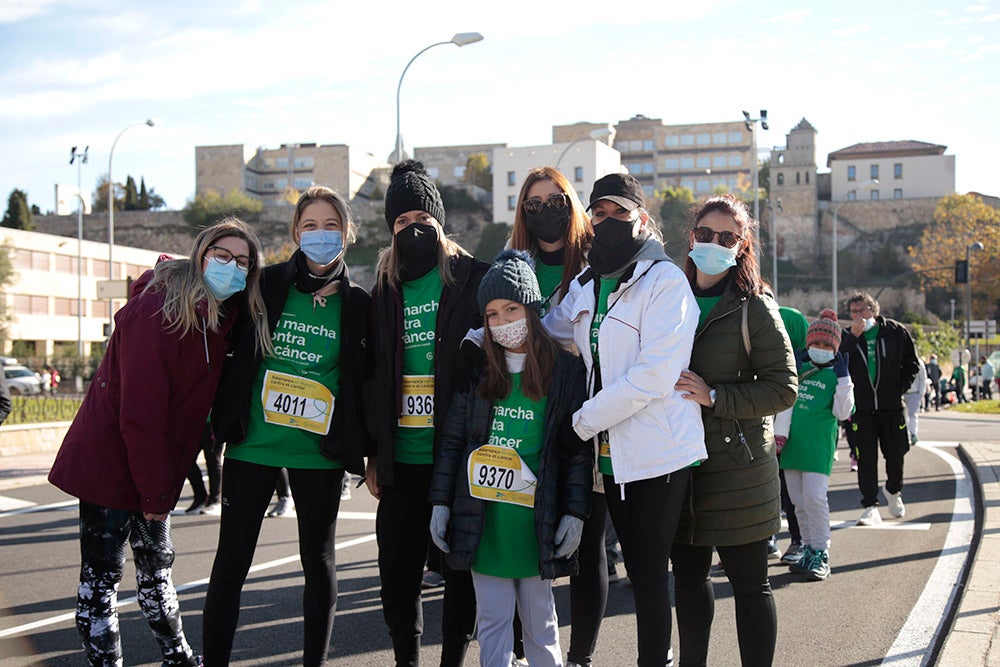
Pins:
x: 568, y: 535
x: 439, y: 526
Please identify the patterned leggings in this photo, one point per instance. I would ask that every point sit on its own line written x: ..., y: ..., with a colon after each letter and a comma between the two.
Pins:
x: 103, y: 534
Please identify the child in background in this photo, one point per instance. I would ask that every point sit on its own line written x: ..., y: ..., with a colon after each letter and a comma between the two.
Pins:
x: 806, y: 436
x: 512, y: 482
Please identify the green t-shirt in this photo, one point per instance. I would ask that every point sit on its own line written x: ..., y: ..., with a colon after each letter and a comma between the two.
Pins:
x: 812, y: 438
x: 549, y: 278
x: 871, y: 352
x: 415, y: 427
x: 796, y: 325
x: 292, y: 395
x: 705, y: 306
x: 607, y: 287
x: 509, y: 546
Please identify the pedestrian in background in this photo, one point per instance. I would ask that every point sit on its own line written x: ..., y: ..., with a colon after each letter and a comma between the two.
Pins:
x: 912, y: 399
x: 297, y: 409
x: 512, y: 481
x: 424, y: 301
x: 133, y: 440
x: 988, y: 373
x: 742, y: 372
x: 934, y: 375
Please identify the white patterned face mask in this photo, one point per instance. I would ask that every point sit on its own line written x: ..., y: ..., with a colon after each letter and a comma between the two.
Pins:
x: 511, y: 335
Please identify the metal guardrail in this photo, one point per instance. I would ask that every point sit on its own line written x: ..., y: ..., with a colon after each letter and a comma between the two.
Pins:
x: 41, y: 409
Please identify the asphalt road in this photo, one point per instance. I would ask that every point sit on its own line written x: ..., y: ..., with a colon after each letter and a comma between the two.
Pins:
x: 888, y: 595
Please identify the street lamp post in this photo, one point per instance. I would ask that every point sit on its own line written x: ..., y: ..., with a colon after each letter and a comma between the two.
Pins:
x: 460, y: 39
x: 833, y: 249
x: 751, y: 124
x: 775, y: 210
x: 596, y: 135
x: 79, y: 159
x: 111, y: 217
x: 968, y: 291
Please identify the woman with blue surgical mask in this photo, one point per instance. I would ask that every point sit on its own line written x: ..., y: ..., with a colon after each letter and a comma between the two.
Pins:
x: 742, y: 371
x: 138, y: 431
x: 299, y: 409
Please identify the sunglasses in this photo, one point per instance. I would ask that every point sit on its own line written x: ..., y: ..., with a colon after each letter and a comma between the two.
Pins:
x: 727, y: 238
x: 556, y: 202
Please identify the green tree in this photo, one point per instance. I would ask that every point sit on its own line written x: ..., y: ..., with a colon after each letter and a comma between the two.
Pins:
x: 131, y: 195
x: 6, y: 280
x: 143, y: 195
x: 478, y: 172
x: 18, y: 215
x: 675, y: 220
x: 99, y: 202
x: 210, y: 207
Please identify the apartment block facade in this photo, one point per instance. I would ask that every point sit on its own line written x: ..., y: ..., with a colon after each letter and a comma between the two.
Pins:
x: 904, y: 170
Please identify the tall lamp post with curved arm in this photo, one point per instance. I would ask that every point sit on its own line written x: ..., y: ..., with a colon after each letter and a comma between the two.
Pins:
x: 111, y: 215
x: 596, y: 135
x: 863, y: 186
x: 460, y: 39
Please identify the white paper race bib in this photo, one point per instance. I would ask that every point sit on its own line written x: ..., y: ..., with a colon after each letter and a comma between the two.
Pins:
x: 418, y: 402
x: 499, y: 475
x: 296, y: 402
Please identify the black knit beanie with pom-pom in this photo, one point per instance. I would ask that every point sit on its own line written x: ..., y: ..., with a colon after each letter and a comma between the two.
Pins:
x: 412, y: 189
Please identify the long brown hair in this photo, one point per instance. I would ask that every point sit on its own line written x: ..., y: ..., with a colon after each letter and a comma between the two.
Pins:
x: 746, y: 273
x: 539, y: 363
x: 579, y: 232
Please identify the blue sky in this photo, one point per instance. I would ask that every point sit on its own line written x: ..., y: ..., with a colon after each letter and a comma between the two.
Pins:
x: 265, y: 73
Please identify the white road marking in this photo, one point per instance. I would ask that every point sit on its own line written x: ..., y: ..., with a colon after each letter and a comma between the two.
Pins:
x: 926, y: 619
x: 887, y: 524
x: 280, y: 562
x: 66, y: 504
x: 7, y: 503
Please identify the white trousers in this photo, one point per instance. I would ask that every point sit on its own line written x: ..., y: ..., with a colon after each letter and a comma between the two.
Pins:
x: 913, y: 402
x: 496, y: 598
x: 808, y: 493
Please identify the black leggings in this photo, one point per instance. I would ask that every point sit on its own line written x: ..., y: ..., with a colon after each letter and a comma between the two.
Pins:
x: 588, y: 590
x: 756, y: 617
x: 246, y: 492
x: 645, y: 515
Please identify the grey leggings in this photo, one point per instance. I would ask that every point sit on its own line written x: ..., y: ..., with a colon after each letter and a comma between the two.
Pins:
x: 103, y: 534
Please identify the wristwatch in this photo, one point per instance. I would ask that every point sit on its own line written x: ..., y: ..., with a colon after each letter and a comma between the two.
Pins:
x: 712, y: 396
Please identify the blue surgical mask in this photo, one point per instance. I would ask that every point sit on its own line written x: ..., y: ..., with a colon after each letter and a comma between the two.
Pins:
x: 712, y: 258
x: 820, y: 357
x: 321, y: 245
x: 224, y: 279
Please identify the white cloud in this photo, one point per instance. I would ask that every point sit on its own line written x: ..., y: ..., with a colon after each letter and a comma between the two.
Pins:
x: 14, y: 11
x: 793, y: 16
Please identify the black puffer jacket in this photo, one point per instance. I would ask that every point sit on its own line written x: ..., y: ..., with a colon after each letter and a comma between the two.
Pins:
x: 458, y: 312
x: 895, y: 367
x: 564, y: 475
x: 348, y: 439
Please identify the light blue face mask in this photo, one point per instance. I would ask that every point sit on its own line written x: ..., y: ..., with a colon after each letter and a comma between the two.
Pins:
x: 821, y: 357
x: 712, y: 258
x: 224, y: 279
x: 869, y: 323
x: 321, y: 245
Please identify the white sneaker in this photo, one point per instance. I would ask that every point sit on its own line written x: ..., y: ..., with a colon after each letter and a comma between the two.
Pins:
x: 870, y: 517
x: 896, y: 507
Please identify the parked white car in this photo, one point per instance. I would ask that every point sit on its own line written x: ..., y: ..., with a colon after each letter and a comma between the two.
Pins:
x: 21, y: 380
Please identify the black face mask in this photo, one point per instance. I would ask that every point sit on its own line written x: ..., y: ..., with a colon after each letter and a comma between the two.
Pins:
x: 614, y: 245
x: 417, y: 243
x: 549, y: 225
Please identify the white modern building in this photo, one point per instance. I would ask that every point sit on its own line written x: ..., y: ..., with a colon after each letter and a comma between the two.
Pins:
x: 904, y: 170
x: 581, y: 161
x: 55, y: 306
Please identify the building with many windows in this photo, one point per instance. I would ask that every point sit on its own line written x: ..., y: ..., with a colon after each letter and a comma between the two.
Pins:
x: 904, y: 170
x: 268, y: 173
x: 53, y: 299
x: 446, y: 164
x: 582, y: 161
x: 697, y: 156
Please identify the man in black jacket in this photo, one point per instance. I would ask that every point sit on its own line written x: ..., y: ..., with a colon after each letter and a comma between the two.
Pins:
x: 883, y: 363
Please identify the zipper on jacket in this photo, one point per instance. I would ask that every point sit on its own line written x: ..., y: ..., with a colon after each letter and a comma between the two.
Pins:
x: 743, y: 439
x: 204, y: 336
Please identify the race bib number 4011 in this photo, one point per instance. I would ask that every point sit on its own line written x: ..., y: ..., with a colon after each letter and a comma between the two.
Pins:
x: 498, y: 474
x: 296, y: 402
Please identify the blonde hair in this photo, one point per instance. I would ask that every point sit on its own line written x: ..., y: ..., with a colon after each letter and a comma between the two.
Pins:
x: 317, y: 193
x: 183, y: 285
x: 387, y: 270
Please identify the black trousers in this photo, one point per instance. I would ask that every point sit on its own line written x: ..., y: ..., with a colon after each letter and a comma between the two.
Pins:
x: 246, y: 492
x: 756, y: 616
x: 885, y: 430
x: 402, y: 527
x: 645, y: 515
x: 588, y: 589
x: 213, y: 465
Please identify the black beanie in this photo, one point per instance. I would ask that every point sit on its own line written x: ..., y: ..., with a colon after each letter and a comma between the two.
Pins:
x: 411, y: 189
x: 511, y: 277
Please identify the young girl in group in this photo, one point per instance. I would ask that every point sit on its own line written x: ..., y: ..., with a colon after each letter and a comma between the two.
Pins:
x: 423, y: 303
x: 806, y: 438
x: 138, y: 431
x: 512, y: 482
x: 297, y: 409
